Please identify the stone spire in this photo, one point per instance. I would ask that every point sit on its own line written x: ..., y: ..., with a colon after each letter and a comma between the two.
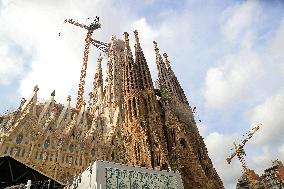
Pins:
x: 97, y: 93
x: 165, y: 84
x: 131, y: 82
x: 142, y: 67
x: 130, y: 75
x: 175, y: 83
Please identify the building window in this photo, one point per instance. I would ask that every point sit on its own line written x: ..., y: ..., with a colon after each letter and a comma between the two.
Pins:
x: 23, y: 152
x: 134, y: 107
x: 183, y: 143
x: 71, y: 148
x: 93, y: 152
x: 173, y: 135
x: 46, y: 143
x: 137, y: 150
x: 19, y: 138
x: 112, y: 156
x: 158, y: 159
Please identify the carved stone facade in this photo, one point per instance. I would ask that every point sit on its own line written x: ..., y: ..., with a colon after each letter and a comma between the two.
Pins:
x: 126, y: 121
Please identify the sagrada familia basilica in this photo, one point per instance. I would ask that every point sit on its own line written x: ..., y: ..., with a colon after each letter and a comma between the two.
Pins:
x: 126, y: 120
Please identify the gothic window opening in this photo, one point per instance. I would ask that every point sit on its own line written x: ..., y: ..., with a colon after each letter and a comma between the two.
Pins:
x: 71, y: 148
x: 149, y: 100
x: 23, y: 152
x: 128, y: 89
x: 183, y: 143
x: 206, y: 170
x: 112, y: 156
x: 19, y: 138
x: 173, y: 135
x: 130, y: 110
x: 6, y: 150
x: 158, y: 159
x: 137, y: 151
x: 46, y: 143
x: 73, y: 134
x: 11, y: 150
x: 145, y: 106
x: 134, y: 107
x: 138, y: 104
x: 93, y: 152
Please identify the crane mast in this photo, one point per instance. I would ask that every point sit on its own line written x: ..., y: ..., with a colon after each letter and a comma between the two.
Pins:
x: 240, y: 153
x: 91, y: 28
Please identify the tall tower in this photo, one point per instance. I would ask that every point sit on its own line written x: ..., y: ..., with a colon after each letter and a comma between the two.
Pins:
x: 144, y: 138
x: 186, y: 148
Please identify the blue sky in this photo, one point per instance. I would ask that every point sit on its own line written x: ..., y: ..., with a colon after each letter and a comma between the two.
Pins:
x: 227, y: 55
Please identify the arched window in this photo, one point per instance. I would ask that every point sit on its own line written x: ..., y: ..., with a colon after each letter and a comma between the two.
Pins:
x: 173, y: 136
x: 137, y: 150
x: 183, y: 143
x: 134, y: 107
x: 129, y: 110
x: 71, y: 148
x: 158, y: 159
x: 93, y: 152
x: 46, y: 143
x: 112, y: 156
x: 19, y: 138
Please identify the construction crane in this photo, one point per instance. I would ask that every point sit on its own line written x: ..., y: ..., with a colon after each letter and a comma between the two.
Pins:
x: 88, y: 40
x: 240, y: 153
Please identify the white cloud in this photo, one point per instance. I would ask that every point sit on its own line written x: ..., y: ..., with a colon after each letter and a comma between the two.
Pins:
x: 275, y: 50
x: 219, y: 149
x: 281, y: 152
x: 11, y: 66
x: 270, y: 114
x: 240, y: 18
x: 56, y: 61
x: 231, y: 81
x: 263, y: 160
x: 239, y: 70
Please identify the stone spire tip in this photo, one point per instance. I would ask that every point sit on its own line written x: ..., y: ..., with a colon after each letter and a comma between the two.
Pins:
x: 156, y: 47
x: 36, y: 88
x: 165, y: 55
x: 53, y: 93
x: 126, y: 38
x: 100, y: 58
x: 69, y: 98
x: 136, y: 36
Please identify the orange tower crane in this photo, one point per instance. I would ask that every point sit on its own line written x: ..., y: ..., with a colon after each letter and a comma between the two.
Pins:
x: 240, y: 153
x: 88, y: 40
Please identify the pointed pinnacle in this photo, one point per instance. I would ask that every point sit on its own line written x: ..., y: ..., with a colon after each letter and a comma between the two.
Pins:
x: 166, y: 60
x: 136, y: 36
x: 165, y: 55
x: 36, y: 88
x: 100, y: 58
x: 126, y: 38
x: 156, y: 47
x: 69, y: 98
x: 53, y: 93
